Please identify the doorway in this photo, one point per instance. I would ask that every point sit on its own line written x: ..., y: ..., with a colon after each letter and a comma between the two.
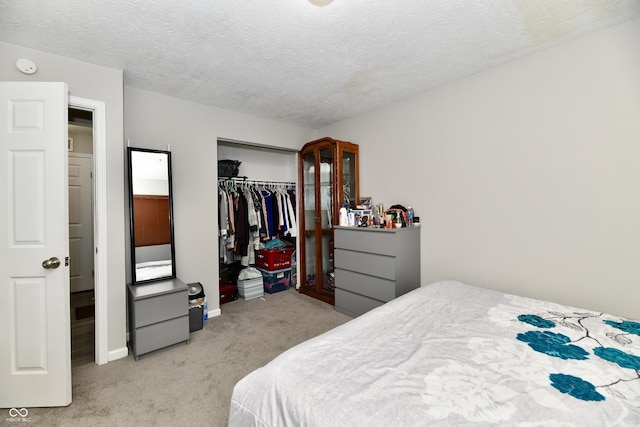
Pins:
x: 96, y: 111
x: 81, y: 220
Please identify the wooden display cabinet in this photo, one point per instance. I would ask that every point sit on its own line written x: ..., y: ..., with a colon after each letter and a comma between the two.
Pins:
x: 321, y: 197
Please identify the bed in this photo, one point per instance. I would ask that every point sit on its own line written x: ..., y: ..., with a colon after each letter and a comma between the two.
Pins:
x: 452, y: 354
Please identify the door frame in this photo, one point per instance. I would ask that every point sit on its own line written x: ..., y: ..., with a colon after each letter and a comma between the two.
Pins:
x: 99, y: 222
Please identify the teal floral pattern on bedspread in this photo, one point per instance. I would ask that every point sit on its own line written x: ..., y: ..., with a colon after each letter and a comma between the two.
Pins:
x: 559, y: 345
x: 562, y: 358
x: 556, y: 345
x: 575, y: 387
x: 627, y: 326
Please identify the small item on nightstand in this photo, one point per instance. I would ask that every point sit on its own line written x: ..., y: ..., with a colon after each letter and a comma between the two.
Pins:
x: 344, y: 218
x: 399, y: 214
x: 398, y: 222
x: 351, y: 218
x: 378, y: 219
x: 410, y: 216
x: 388, y: 221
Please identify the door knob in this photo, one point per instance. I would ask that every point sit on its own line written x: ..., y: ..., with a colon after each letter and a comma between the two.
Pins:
x: 52, y: 262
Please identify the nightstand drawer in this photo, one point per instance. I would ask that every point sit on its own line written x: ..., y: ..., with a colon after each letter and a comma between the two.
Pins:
x: 161, y: 334
x: 363, y: 240
x: 353, y: 304
x: 362, y: 262
x: 162, y: 307
x: 371, y: 286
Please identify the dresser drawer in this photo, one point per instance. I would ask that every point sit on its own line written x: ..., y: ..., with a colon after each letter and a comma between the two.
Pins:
x: 362, y: 262
x: 374, y: 287
x: 359, y: 239
x: 353, y: 304
x: 161, y: 307
x: 163, y: 334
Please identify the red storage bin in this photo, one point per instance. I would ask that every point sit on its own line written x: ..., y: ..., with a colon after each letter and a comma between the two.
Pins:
x: 228, y: 293
x: 274, y: 259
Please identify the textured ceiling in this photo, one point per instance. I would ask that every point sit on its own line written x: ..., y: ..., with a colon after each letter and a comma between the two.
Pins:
x: 293, y: 61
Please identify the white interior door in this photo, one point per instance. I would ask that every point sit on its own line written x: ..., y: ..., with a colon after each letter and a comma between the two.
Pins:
x: 35, y: 354
x: 80, y: 222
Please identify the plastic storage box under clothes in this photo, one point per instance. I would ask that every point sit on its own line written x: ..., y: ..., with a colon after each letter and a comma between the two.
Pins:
x: 276, y: 281
x: 250, y: 283
x: 250, y: 288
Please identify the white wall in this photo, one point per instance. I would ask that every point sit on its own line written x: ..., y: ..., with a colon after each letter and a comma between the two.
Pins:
x: 102, y: 84
x: 156, y: 121
x: 526, y: 177
x: 82, y: 142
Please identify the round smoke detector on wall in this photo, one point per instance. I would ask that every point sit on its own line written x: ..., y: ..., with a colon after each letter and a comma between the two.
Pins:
x: 26, y: 66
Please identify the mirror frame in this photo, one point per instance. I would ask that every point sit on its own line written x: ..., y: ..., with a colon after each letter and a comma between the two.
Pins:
x: 134, y: 279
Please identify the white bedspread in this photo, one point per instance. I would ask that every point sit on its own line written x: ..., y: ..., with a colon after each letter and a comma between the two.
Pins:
x: 452, y: 354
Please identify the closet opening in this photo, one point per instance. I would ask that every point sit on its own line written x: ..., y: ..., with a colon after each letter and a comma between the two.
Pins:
x: 266, y: 177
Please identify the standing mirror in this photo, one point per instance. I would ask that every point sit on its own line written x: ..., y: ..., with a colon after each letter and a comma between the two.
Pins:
x: 151, y: 213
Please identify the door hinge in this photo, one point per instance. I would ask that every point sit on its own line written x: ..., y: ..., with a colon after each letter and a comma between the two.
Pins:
x: 66, y: 261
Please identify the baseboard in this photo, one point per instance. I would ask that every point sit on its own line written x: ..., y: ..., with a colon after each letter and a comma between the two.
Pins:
x: 118, y: 354
x: 213, y: 313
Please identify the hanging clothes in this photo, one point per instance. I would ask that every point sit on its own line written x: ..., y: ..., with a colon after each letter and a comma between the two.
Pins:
x: 242, y: 224
x: 223, y: 223
x: 251, y: 213
x: 293, y: 224
x: 268, y: 198
x: 254, y: 235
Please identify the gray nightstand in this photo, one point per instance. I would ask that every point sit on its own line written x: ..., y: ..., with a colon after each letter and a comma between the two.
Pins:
x: 158, y: 315
x: 374, y: 266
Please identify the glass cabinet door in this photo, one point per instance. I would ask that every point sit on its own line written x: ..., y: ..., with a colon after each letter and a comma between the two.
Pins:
x: 308, y: 267
x: 325, y: 272
x: 329, y: 176
x: 318, y: 218
x: 349, y: 194
x: 309, y: 183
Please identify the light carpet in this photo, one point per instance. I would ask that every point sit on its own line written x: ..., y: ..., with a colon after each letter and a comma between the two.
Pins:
x: 191, y: 384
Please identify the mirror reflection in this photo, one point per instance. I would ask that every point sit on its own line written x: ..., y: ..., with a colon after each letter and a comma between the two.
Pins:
x: 152, y: 248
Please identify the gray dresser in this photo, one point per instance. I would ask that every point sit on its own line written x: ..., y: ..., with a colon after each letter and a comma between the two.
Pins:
x: 158, y: 315
x: 374, y: 266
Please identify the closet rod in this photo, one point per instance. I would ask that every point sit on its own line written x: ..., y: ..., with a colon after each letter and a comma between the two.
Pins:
x: 245, y: 180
